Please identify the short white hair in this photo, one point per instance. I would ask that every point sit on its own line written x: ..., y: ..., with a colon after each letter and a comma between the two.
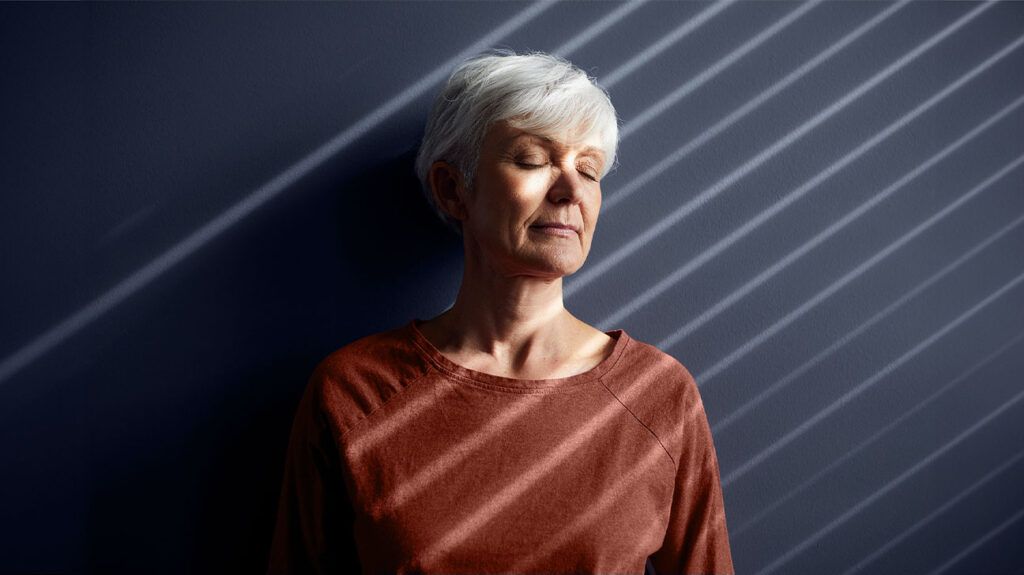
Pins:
x: 536, y: 92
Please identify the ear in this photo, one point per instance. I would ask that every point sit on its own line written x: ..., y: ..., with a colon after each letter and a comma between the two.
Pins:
x: 447, y: 186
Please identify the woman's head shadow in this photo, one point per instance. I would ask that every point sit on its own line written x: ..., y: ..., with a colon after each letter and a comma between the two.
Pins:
x: 385, y: 226
x: 274, y: 297
x: 393, y: 256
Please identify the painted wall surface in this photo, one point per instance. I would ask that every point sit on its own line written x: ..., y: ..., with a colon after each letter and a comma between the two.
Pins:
x: 819, y: 209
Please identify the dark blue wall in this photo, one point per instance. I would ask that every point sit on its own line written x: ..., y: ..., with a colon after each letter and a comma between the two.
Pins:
x: 818, y: 211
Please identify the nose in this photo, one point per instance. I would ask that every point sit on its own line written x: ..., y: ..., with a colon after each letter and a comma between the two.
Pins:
x: 567, y: 187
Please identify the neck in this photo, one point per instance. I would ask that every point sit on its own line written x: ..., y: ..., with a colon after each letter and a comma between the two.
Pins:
x: 515, y: 318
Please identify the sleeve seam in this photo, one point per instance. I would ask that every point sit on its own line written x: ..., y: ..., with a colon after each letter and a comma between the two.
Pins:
x: 343, y: 434
x: 640, y: 421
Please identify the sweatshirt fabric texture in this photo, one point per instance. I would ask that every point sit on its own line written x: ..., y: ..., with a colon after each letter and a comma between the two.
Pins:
x: 402, y: 461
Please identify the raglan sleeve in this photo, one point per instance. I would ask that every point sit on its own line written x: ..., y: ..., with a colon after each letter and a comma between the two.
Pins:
x: 697, y: 539
x: 313, y: 530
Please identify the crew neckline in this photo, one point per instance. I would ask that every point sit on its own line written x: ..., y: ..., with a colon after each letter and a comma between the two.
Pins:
x: 442, y: 362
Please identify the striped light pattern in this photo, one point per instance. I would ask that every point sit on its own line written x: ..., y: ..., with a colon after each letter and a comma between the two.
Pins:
x: 755, y: 222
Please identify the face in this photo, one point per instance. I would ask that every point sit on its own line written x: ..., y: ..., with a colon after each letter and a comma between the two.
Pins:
x: 525, y: 187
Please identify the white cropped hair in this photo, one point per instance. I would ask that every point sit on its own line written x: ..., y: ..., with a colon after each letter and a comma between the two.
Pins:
x: 536, y: 92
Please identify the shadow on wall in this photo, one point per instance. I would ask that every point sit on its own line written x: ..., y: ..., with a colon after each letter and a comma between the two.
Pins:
x: 186, y: 464
x: 386, y: 226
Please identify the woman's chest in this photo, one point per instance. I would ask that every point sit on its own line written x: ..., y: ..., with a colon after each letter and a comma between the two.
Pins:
x: 535, y: 485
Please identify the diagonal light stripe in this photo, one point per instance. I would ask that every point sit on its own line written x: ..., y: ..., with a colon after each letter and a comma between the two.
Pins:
x: 597, y: 28
x: 850, y: 454
x: 863, y: 327
x: 921, y: 523
x: 209, y: 231
x: 806, y: 248
x: 680, y: 32
x: 866, y: 384
x: 979, y: 542
x: 709, y: 254
x: 533, y: 474
x: 892, y: 484
x: 581, y: 279
x: 593, y: 513
x: 467, y: 448
x: 748, y: 107
x: 764, y: 276
x: 399, y: 419
x: 710, y: 72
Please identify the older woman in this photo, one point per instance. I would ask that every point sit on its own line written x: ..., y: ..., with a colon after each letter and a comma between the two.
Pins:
x: 506, y: 435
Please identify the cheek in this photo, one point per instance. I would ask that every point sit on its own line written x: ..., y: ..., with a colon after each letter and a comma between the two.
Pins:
x: 520, y: 195
x: 592, y: 211
x: 503, y: 211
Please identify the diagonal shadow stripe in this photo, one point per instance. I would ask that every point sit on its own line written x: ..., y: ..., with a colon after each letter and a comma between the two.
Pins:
x: 979, y: 542
x: 466, y: 448
x: 536, y: 472
x: 664, y: 43
x: 597, y: 28
x: 810, y: 245
x: 140, y: 278
x: 398, y: 420
x: 593, y: 513
x: 888, y: 487
x: 710, y: 72
x: 584, y: 278
x: 866, y: 384
x: 924, y: 521
x: 748, y: 227
x: 850, y: 454
x: 471, y: 445
x: 853, y: 274
x: 749, y: 106
x: 781, y: 384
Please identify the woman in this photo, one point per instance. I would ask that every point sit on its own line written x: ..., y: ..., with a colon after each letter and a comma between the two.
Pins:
x: 505, y: 435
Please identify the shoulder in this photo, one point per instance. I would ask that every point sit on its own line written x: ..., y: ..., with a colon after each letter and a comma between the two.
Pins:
x: 360, y: 377
x: 659, y: 390
x: 645, y: 371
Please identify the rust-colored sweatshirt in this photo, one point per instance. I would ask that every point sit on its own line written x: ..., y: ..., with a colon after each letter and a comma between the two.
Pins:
x: 420, y: 465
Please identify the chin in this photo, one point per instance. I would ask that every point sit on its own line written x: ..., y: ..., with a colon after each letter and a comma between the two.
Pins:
x: 552, y: 263
x: 562, y: 269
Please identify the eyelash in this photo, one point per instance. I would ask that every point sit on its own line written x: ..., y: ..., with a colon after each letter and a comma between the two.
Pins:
x: 524, y: 164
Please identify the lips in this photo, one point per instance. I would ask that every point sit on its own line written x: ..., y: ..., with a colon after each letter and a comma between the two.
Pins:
x: 557, y: 225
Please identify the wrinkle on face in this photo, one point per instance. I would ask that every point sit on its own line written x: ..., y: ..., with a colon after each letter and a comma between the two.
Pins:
x: 523, y: 178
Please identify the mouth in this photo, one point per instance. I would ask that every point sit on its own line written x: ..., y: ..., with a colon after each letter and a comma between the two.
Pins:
x: 561, y: 231
x: 556, y: 226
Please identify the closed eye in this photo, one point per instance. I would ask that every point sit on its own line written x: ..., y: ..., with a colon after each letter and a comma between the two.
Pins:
x: 588, y: 171
x: 529, y: 165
